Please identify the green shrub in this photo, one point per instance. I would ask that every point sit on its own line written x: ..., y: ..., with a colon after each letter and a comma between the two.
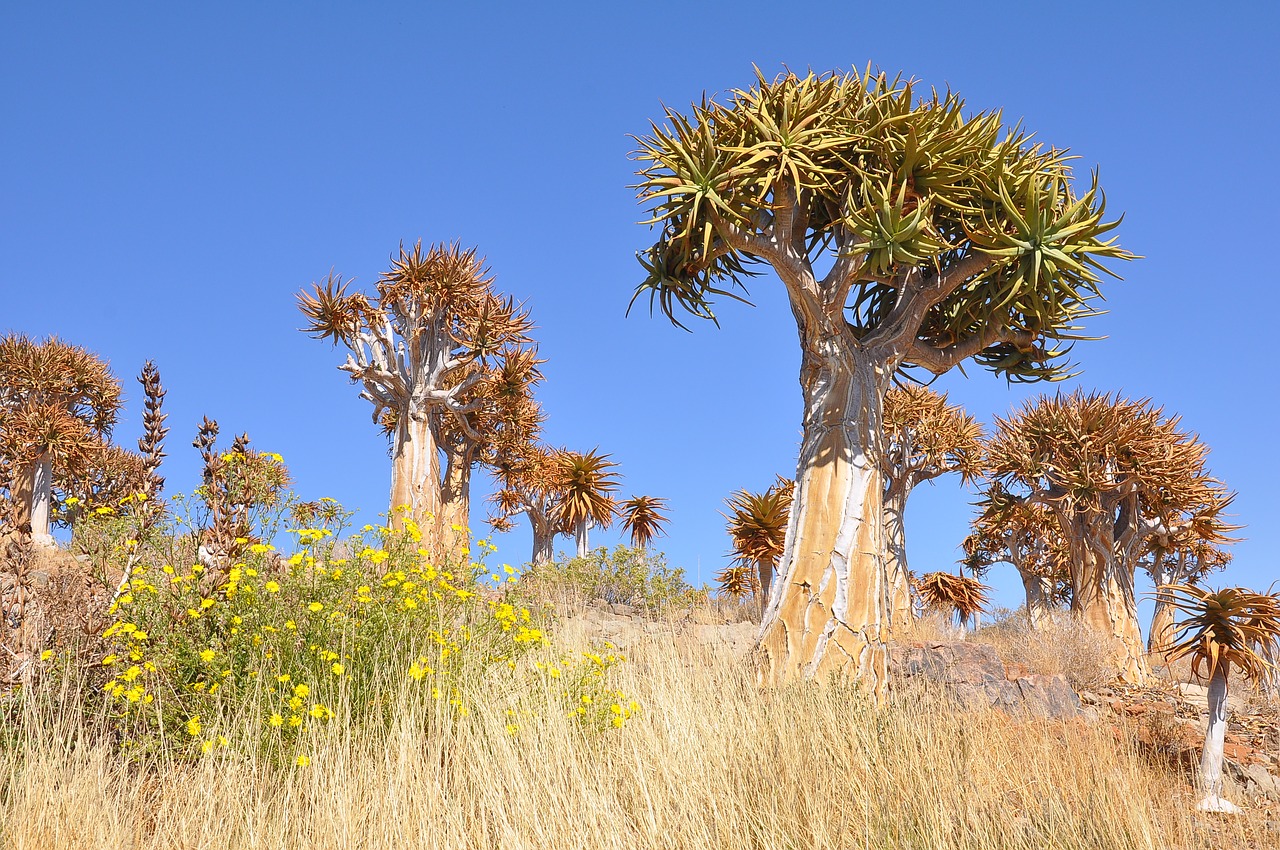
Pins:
x: 294, y: 643
x: 626, y: 575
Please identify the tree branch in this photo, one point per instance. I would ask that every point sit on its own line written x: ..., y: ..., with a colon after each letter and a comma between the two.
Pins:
x: 940, y: 360
x: 916, y: 297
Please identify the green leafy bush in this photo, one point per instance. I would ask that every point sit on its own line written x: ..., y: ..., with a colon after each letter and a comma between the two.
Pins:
x: 626, y: 575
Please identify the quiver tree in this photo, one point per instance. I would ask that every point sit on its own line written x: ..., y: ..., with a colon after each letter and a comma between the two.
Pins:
x: 530, y: 484
x: 924, y: 437
x: 502, y: 416
x: 757, y: 529
x: 1024, y: 534
x: 643, y: 519
x: 1183, y: 558
x: 1118, y: 476
x: 959, y: 596
x: 905, y: 233
x: 58, y: 404
x: 1232, y: 627
x: 587, y: 482
x: 419, y: 348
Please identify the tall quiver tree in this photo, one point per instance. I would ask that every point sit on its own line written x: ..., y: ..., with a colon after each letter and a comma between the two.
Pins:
x: 58, y: 404
x: 924, y: 438
x: 1025, y: 534
x: 943, y: 237
x: 417, y: 348
x: 1118, y: 475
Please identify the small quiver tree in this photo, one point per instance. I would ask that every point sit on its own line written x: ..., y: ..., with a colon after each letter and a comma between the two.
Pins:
x: 417, y: 348
x: 959, y: 596
x: 924, y: 438
x: 1183, y: 558
x: 58, y: 404
x: 643, y: 519
x: 1232, y: 627
x: 757, y: 530
x: 1025, y: 534
x: 587, y: 482
x: 905, y: 233
x: 1117, y: 475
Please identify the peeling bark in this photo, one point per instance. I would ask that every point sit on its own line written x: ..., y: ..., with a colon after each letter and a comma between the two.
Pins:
x: 828, y: 611
x: 1102, y: 595
x: 415, y: 480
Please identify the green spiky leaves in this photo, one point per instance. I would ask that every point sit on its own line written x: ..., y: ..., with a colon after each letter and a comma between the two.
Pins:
x: 906, y: 189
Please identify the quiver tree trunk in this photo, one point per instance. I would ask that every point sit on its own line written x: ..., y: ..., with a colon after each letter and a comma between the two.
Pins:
x: 1040, y: 606
x: 34, y: 499
x: 580, y: 536
x: 900, y: 608
x: 764, y: 574
x: 415, y: 480
x: 828, y: 612
x: 1214, y: 739
x: 1163, y: 631
x: 455, y: 497
x: 1102, y: 595
x: 543, y: 542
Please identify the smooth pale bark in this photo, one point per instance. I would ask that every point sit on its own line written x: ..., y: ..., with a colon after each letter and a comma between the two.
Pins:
x: 580, y: 536
x: 34, y: 499
x: 543, y: 538
x: 1040, y: 605
x: 901, y: 612
x: 415, y: 480
x: 1214, y: 738
x: 1102, y: 596
x: 455, y: 497
x: 828, y: 612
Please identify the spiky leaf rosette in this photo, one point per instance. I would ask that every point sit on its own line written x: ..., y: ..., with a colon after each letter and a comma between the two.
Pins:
x: 758, y: 523
x: 925, y: 437
x: 423, y: 340
x: 959, y: 594
x: 56, y: 399
x: 586, y: 480
x: 951, y: 235
x: 1233, y: 626
x: 737, y: 581
x: 643, y: 518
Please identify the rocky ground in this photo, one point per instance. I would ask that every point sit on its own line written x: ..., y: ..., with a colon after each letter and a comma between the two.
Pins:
x: 1166, y: 719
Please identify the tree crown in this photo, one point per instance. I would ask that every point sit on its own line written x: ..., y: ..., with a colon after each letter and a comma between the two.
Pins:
x: 948, y: 235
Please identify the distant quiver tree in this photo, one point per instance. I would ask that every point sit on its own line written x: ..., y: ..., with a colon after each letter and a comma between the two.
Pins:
x: 421, y: 348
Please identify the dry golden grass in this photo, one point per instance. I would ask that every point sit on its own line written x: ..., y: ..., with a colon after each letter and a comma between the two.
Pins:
x: 1064, y: 647
x: 709, y: 763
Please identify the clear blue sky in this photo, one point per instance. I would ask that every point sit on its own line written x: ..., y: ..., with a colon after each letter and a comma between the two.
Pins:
x: 172, y: 174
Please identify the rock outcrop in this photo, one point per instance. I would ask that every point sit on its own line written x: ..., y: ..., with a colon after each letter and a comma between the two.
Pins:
x: 977, y: 680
